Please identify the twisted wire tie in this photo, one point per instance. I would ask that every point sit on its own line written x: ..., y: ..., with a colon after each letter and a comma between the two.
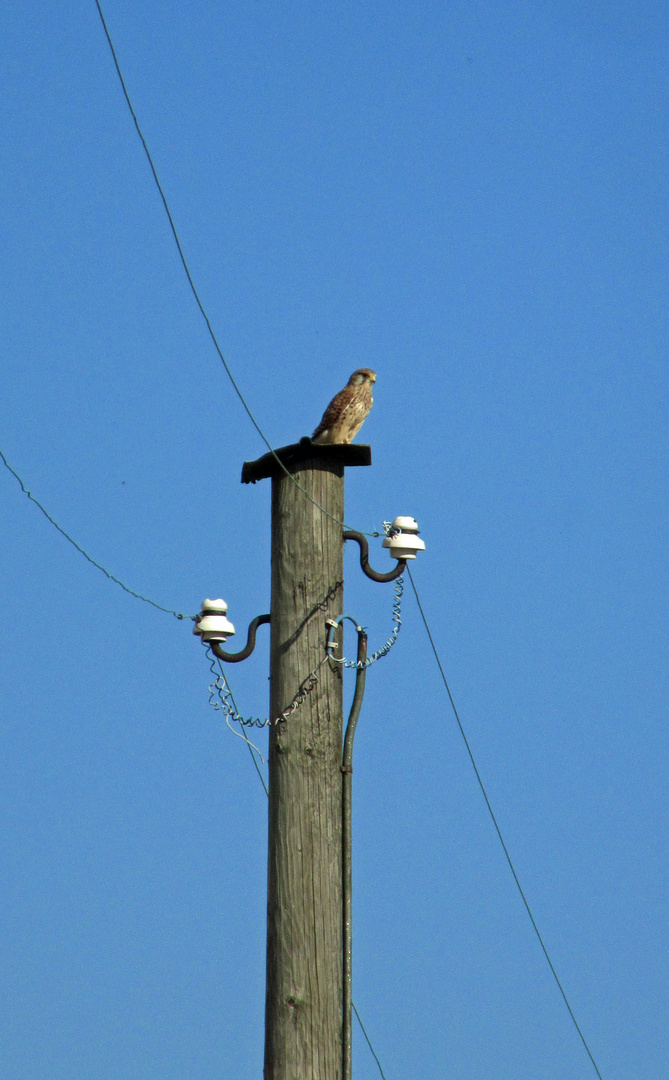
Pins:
x: 220, y: 695
x: 225, y: 703
x: 384, y: 649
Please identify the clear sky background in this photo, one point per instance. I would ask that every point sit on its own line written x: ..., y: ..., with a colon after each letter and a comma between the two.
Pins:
x: 470, y: 198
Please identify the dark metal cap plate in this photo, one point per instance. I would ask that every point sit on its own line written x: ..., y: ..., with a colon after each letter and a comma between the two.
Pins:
x: 305, y: 450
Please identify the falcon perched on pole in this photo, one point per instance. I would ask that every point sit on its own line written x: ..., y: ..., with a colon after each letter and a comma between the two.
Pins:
x: 346, y: 413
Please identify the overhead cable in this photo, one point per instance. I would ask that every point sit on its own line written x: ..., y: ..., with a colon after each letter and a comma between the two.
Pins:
x: 362, y: 1026
x: 97, y: 565
x: 193, y: 288
x: 498, y: 830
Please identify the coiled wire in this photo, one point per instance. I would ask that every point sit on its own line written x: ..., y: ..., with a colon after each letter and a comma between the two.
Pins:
x: 384, y: 649
x: 220, y: 695
x: 221, y: 699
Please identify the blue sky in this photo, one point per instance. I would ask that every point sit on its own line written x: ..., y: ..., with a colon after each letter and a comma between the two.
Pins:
x: 471, y: 199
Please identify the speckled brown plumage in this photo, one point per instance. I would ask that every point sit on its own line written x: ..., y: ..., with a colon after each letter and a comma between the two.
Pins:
x: 346, y: 413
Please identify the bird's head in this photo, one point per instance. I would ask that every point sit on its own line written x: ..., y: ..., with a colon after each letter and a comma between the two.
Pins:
x: 363, y: 374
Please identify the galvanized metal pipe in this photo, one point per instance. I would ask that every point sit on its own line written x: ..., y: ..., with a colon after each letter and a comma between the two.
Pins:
x: 347, y: 861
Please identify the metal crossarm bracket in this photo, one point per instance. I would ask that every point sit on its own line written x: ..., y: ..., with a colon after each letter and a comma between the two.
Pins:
x: 234, y: 658
x: 351, y: 534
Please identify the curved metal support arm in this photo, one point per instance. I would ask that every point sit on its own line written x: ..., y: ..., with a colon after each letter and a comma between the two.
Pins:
x: 351, y: 534
x: 234, y: 658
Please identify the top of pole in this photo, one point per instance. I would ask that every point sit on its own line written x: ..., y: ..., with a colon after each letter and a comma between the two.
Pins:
x: 305, y: 450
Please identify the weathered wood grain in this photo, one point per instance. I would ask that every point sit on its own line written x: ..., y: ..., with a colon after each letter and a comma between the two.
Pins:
x: 304, y: 924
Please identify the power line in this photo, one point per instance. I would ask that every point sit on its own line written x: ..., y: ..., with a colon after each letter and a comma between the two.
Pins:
x: 47, y: 515
x: 168, y: 611
x: 194, y: 291
x: 253, y: 750
x: 497, y: 828
x: 368, y: 1042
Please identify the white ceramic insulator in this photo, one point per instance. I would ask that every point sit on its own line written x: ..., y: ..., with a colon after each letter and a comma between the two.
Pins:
x: 404, y: 545
x: 405, y: 524
x: 212, y: 625
x: 218, y: 607
x: 214, y: 628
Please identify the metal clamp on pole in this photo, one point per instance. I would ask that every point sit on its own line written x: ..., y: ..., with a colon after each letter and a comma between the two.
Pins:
x: 213, y: 627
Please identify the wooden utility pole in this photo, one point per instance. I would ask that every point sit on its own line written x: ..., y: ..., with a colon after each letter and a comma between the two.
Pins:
x: 303, y: 1017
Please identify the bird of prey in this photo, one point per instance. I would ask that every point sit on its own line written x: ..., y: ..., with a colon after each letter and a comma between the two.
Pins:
x: 346, y: 413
